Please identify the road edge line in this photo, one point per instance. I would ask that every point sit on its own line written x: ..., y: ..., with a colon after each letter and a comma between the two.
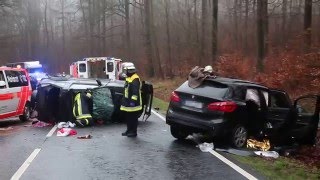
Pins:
x: 159, y: 115
x: 50, y: 133
x: 232, y: 165
x: 25, y: 165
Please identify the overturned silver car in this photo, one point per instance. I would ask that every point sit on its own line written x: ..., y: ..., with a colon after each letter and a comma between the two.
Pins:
x: 54, y: 99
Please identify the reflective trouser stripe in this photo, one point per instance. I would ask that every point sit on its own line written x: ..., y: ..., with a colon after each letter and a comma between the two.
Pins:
x: 130, y: 109
x: 83, y: 116
x: 134, y: 97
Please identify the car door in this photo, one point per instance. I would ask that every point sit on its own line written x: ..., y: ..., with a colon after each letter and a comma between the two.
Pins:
x: 5, y: 96
x: 306, y: 125
x: 255, y: 104
x: 17, y: 88
x: 279, y: 108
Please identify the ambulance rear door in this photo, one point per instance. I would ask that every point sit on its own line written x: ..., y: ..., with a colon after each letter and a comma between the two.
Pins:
x: 82, y: 69
x: 111, y: 69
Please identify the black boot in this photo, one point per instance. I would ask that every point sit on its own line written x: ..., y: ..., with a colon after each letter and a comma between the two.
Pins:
x: 125, y: 133
x: 132, y: 134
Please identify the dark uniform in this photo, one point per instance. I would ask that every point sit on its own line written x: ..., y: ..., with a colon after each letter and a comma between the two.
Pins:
x: 132, y: 104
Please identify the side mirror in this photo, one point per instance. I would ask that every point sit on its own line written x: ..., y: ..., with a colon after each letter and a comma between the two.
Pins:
x: 299, y: 109
x: 2, y: 84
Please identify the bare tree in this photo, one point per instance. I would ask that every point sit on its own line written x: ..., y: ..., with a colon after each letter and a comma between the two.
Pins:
x: 214, y: 29
x: 307, y: 24
x: 261, y: 31
x: 203, y: 32
x: 169, y: 61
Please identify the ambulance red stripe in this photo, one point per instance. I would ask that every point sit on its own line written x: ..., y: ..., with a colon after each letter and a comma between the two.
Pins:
x: 7, y: 96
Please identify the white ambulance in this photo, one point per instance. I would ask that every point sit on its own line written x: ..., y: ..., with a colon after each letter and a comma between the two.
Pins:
x: 96, y: 67
x: 15, y: 93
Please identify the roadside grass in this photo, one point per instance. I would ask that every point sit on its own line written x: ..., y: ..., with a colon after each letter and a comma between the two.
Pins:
x: 281, y: 168
x: 160, y: 105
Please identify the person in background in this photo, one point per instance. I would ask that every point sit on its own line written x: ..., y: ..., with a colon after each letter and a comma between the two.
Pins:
x: 132, y: 101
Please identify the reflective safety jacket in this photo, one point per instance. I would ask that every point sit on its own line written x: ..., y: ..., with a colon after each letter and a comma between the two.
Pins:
x: 81, y: 110
x: 132, y: 100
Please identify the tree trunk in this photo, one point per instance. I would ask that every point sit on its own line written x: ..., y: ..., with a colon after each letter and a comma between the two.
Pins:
x: 112, y: 36
x: 104, y: 33
x: 169, y: 61
x: 284, y: 21
x: 246, y: 26
x: 127, y: 19
x: 85, y: 22
x: 91, y: 27
x: 98, y: 22
x: 214, y: 30
x: 235, y: 19
x: 157, y: 63
x: 46, y: 23
x: 261, y: 33
x: 265, y: 26
x: 63, y: 28
x: 203, y: 32
x: 196, y: 45
x: 307, y: 25
x: 150, y: 60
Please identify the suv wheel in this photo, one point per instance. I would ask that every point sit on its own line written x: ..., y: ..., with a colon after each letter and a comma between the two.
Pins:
x: 239, y: 136
x: 26, y: 113
x: 178, y: 133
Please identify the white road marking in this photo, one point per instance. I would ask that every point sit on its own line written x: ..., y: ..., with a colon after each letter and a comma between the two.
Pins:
x: 52, y: 131
x: 25, y: 165
x: 232, y: 165
x: 219, y: 156
x: 159, y: 115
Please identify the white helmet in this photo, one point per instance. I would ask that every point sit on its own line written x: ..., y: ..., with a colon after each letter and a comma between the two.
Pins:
x: 208, y: 69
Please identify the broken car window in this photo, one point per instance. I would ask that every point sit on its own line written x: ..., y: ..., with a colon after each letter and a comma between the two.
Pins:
x: 253, y: 95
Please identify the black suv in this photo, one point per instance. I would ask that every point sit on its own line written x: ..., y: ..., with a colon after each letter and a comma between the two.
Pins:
x: 233, y: 110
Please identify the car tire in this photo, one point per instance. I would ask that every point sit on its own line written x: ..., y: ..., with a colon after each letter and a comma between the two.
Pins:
x: 239, y: 136
x: 26, y: 113
x: 178, y: 133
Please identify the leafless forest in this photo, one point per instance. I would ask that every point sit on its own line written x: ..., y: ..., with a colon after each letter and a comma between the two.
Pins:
x: 165, y: 38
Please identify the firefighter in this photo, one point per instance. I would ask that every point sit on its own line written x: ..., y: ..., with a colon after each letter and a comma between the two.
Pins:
x: 81, y: 109
x: 132, y: 102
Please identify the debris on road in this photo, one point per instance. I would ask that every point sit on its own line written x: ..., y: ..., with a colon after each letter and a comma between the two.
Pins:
x: 6, y: 129
x: 66, y: 132
x: 40, y: 124
x: 205, y: 147
x: 267, y: 154
x: 264, y: 146
x: 66, y: 125
x: 85, y: 137
x: 236, y: 151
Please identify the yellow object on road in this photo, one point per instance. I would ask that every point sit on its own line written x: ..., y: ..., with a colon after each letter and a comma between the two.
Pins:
x: 264, y: 145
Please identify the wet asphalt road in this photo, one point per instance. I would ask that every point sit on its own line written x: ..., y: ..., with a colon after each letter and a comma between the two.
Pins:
x: 154, y: 154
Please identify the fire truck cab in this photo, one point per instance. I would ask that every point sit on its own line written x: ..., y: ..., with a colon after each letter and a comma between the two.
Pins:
x: 97, y: 67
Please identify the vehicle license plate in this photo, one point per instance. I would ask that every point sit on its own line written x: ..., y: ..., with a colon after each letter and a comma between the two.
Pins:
x: 193, y: 104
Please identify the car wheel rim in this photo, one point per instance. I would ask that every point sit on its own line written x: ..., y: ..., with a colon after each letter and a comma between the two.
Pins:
x: 240, y: 136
